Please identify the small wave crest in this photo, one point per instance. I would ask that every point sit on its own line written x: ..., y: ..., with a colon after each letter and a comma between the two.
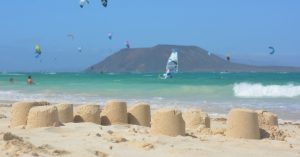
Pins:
x: 257, y: 90
x: 12, y: 74
x: 51, y: 73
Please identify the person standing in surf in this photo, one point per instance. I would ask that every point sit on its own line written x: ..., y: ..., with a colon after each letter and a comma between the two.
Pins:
x: 29, y: 80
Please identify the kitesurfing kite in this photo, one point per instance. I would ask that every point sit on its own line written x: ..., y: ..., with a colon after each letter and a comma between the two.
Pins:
x: 109, y: 36
x: 127, y: 44
x: 38, y: 50
x: 273, y: 50
x: 172, y: 66
x: 228, y: 58
x: 82, y: 3
x: 71, y: 36
x: 79, y: 49
x: 104, y: 3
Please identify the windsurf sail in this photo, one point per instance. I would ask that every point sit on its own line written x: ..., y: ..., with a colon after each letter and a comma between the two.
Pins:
x: 172, y: 65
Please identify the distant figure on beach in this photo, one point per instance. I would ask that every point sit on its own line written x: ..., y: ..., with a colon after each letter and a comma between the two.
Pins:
x: 29, y: 80
x: 11, y: 80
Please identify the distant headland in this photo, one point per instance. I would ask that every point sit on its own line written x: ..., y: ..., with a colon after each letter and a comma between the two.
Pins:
x: 190, y: 59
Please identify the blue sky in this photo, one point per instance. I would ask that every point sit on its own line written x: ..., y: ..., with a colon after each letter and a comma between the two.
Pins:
x: 243, y: 28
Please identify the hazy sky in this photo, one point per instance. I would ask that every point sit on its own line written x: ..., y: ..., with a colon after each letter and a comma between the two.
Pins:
x: 245, y: 28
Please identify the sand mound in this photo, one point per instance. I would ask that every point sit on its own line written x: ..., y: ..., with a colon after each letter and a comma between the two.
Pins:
x: 9, y: 136
x: 207, y: 131
x: 139, y: 114
x: 100, y: 154
x: 196, y: 118
x: 242, y: 123
x: 114, y: 112
x: 2, y: 116
x: 42, y: 116
x: 18, y: 147
x: 87, y: 113
x: 142, y: 145
x: 19, y: 112
x: 65, y: 112
x: 273, y: 132
x: 167, y: 122
x: 115, y: 138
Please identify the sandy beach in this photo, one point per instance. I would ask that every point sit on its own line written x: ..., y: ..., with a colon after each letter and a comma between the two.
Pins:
x: 90, y: 139
x: 159, y: 78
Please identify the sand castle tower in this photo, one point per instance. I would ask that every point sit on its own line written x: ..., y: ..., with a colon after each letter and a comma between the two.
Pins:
x: 242, y: 123
x: 194, y: 119
x: 139, y: 114
x: 167, y: 122
x: 266, y: 118
x: 42, y: 116
x: 268, y: 124
x: 114, y: 112
x: 65, y: 112
x: 19, y: 112
x: 87, y: 113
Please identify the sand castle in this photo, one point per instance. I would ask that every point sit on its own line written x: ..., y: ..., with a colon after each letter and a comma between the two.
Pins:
x: 139, y: 114
x: 65, y: 112
x: 19, y: 113
x: 266, y: 118
x: 114, y: 112
x: 167, y: 122
x: 268, y: 125
x: 194, y: 119
x: 242, y: 123
x: 42, y: 116
x: 87, y: 113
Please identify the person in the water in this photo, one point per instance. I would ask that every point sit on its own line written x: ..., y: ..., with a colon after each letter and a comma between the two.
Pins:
x: 29, y: 80
x: 11, y: 80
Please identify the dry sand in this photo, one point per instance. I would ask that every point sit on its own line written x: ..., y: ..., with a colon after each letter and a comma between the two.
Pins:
x: 92, y: 140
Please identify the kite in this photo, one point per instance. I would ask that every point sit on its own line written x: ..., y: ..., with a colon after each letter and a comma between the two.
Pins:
x: 127, y: 44
x: 104, y: 3
x: 82, y: 3
x: 38, y: 50
x: 109, y: 36
x: 273, y: 50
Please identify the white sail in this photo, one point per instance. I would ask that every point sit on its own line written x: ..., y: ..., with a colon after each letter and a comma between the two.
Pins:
x: 172, y: 64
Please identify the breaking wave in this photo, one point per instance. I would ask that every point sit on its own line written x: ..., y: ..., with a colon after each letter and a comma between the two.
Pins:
x: 257, y: 90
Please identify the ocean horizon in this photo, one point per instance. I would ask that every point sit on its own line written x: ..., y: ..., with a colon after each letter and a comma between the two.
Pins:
x: 213, y: 92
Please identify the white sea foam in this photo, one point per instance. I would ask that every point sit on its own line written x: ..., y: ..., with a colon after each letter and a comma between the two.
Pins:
x: 50, y: 73
x: 257, y: 90
x: 12, y: 74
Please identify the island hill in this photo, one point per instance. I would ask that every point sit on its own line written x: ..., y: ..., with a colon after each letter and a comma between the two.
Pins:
x: 190, y: 59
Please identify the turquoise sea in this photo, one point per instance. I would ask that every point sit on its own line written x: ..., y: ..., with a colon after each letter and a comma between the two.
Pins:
x: 215, y: 93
